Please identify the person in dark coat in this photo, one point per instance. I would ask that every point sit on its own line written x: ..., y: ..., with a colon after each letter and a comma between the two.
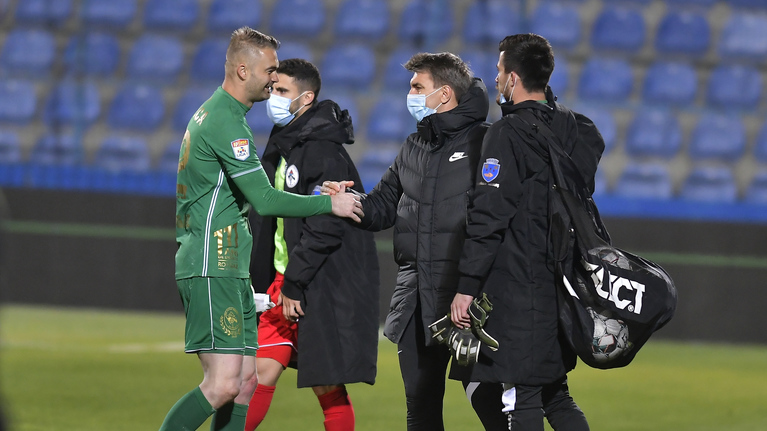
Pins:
x: 325, y: 271
x: 506, y: 254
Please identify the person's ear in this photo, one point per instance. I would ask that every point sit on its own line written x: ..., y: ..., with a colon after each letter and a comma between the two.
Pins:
x: 242, y: 71
x: 446, y: 95
x: 308, y: 98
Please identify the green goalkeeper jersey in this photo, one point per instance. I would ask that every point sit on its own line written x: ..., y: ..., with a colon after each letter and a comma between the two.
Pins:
x: 219, y: 173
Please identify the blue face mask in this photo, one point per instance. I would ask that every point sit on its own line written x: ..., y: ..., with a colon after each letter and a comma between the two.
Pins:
x: 416, y: 104
x: 278, y: 109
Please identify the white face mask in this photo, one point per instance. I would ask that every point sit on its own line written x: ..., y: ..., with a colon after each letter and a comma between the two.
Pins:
x: 514, y: 85
x: 416, y: 104
x: 278, y: 109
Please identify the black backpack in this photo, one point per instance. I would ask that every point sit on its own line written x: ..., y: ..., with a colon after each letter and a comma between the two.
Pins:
x: 610, y: 300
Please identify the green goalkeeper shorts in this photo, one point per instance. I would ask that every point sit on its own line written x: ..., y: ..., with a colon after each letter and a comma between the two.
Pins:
x: 220, y: 315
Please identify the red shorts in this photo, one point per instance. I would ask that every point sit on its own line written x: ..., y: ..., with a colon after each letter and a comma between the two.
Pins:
x: 277, y: 336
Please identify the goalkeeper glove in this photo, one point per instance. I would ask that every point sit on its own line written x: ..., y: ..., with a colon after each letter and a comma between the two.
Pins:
x: 479, y: 311
x: 263, y: 301
x: 464, y: 346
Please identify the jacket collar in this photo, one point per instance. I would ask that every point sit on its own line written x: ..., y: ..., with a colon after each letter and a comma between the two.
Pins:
x: 324, y: 121
x: 472, y: 107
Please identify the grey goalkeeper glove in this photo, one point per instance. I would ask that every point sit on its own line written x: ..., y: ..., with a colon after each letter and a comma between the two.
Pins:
x: 464, y: 346
x: 479, y: 311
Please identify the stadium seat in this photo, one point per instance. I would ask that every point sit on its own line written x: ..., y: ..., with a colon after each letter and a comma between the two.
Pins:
x: 208, y: 62
x: 755, y: 4
x: 426, y: 23
x: 123, y: 153
x: 389, y: 120
x: 286, y: 22
x: 560, y: 23
x: 45, y: 12
x: 718, y: 136
x: 189, y: 102
x: 18, y: 101
x: 756, y: 191
x: 605, y: 122
x: 28, y: 53
x: 693, y: 3
x: 57, y: 149
x: 138, y: 107
x: 600, y: 183
x: 744, y: 36
x: 374, y: 163
x: 619, y: 28
x: 486, y: 22
x: 683, y: 32
x: 292, y: 49
x: 362, y: 19
x: 760, y: 146
x: 560, y: 77
x: 92, y: 54
x: 168, y: 161
x: 710, y: 184
x: 734, y: 86
x: 112, y: 14
x: 73, y: 103
x: 177, y: 15
x: 229, y: 15
x: 395, y: 77
x: 155, y: 58
x: 603, y: 79
x: 644, y: 181
x: 351, y: 66
x: 654, y: 132
x: 670, y: 83
x: 259, y: 122
x: 482, y: 63
x: 10, y: 148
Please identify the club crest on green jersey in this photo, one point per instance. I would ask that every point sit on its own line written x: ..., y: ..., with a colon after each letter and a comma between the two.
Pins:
x: 241, y: 148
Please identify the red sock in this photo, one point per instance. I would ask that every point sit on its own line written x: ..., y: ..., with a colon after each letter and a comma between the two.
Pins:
x: 338, y: 410
x: 258, y: 406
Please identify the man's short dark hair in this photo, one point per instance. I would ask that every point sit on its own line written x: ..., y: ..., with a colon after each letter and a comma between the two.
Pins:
x: 245, y: 38
x: 530, y: 56
x: 445, y: 69
x: 304, y: 73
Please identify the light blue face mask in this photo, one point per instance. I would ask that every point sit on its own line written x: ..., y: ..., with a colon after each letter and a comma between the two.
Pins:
x: 416, y: 104
x: 502, y: 98
x: 278, y: 109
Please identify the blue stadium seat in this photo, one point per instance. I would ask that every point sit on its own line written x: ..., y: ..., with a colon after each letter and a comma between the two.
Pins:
x: 30, y: 53
x: 362, y: 19
x: 760, y: 146
x: 112, y: 14
x: 73, y: 103
x: 286, y: 22
x: 560, y: 23
x: 208, y: 62
x: 351, y: 66
x: 426, y: 23
x: 683, y: 32
x: 155, y: 58
x: 718, y: 136
x: 734, y: 86
x: 644, y: 181
x: 18, y: 101
x: 137, y: 106
x: 45, y: 12
x: 177, y: 15
x: 654, y: 132
x: 755, y: 4
x: 710, y: 184
x: 168, y: 161
x: 291, y: 49
x: 693, y: 3
x: 744, y: 36
x: 123, y: 153
x: 229, y: 15
x: 482, y: 63
x: 259, y: 122
x: 600, y: 183
x: 389, y: 120
x: 374, y: 163
x: 396, y: 77
x: 57, y: 149
x: 606, y: 79
x: 10, y: 148
x: 756, y: 191
x: 560, y: 77
x: 605, y: 122
x: 620, y: 28
x: 486, y: 22
x: 92, y: 54
x: 670, y: 83
x: 189, y: 102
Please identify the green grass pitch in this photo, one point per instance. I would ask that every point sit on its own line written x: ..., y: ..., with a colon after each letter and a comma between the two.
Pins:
x: 88, y: 370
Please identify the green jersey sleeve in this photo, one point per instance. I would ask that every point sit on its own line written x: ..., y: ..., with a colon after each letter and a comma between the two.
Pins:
x: 270, y: 202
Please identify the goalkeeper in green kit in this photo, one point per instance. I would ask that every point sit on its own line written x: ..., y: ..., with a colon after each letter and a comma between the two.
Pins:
x: 219, y: 174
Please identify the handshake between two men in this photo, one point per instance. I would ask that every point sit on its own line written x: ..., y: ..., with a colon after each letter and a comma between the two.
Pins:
x: 464, y: 343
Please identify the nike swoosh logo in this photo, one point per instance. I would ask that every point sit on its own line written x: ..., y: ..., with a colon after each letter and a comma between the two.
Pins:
x: 457, y: 156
